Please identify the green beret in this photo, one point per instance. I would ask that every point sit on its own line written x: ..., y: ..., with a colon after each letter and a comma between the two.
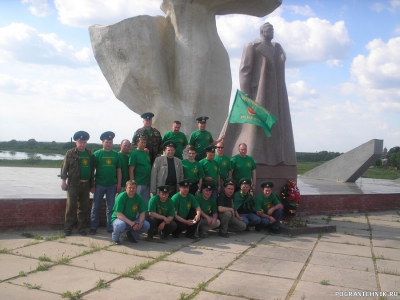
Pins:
x: 268, y: 184
x: 210, y: 149
x: 164, y: 189
x: 147, y: 116
x: 108, y: 135
x: 81, y: 136
x: 244, y: 181
x: 229, y: 181
x: 202, y: 119
x: 184, y: 182
x: 170, y: 144
x: 208, y: 186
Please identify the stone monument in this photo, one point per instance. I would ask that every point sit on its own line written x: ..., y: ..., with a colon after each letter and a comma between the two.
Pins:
x: 174, y: 66
x: 262, y: 78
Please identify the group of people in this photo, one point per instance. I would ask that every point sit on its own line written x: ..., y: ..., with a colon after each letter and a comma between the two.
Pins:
x: 165, y: 194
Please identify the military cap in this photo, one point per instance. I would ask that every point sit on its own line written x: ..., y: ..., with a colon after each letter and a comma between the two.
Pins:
x: 184, y: 182
x: 170, y: 144
x: 202, y: 119
x: 81, y: 136
x: 147, y: 116
x: 163, y: 188
x: 141, y: 136
x: 229, y: 181
x: 268, y: 184
x: 210, y: 149
x: 208, y: 186
x: 244, y: 181
x: 108, y: 135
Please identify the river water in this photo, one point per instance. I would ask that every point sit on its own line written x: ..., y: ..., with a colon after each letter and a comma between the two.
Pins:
x: 13, y: 155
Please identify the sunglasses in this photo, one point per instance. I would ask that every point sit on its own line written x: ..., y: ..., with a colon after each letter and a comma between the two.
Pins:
x: 220, y: 147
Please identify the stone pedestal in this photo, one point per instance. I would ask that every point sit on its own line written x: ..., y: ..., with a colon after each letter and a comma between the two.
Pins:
x: 279, y: 175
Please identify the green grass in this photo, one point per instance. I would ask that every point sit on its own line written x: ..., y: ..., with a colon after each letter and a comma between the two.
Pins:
x: 382, y: 173
x: 101, y: 284
x: 32, y: 287
x: 324, y: 282
x: 69, y: 295
x: 44, y: 258
x: 303, y: 167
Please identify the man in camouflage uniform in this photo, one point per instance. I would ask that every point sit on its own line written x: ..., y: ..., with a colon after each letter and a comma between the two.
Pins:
x: 154, y: 144
x: 78, y: 168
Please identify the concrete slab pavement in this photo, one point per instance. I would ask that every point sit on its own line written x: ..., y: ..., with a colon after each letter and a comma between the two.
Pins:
x: 248, y: 265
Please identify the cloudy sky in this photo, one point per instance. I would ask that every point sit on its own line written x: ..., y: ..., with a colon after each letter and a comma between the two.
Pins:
x: 342, y: 69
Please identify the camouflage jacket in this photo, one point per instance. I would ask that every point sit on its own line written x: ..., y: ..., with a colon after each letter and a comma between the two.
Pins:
x: 71, y: 168
x: 154, y: 142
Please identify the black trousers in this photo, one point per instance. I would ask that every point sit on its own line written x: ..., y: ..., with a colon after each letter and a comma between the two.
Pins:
x: 190, y: 230
x: 154, y: 223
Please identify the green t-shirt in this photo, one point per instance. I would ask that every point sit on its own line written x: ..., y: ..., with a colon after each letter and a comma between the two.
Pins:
x: 180, y: 140
x: 166, y: 209
x: 106, y: 164
x: 192, y: 171
x: 200, y: 140
x: 84, y: 161
x: 266, y: 203
x: 242, y: 167
x: 224, y: 164
x: 184, y: 204
x: 140, y: 160
x: 209, y: 207
x: 124, y: 168
x: 211, y: 169
x: 129, y: 207
x: 243, y: 204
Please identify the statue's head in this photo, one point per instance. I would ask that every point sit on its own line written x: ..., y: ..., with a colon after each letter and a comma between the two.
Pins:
x: 267, y: 31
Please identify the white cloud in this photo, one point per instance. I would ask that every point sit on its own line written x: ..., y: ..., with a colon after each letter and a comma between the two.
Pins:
x: 305, y: 42
x: 23, y: 43
x: 393, y: 5
x: 300, y: 10
x: 380, y: 69
x: 83, y: 13
x: 310, y: 41
x: 300, y: 91
x: 39, y: 8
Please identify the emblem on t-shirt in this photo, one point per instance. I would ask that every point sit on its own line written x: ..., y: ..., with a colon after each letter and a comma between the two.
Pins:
x: 188, y: 205
x: 108, y: 161
x: 134, y: 207
x: 84, y: 162
x: 248, y: 164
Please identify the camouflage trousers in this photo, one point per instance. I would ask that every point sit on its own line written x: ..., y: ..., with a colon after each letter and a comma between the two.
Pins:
x: 77, y: 206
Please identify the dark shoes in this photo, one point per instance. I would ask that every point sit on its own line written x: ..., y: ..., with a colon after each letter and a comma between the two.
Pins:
x: 175, y: 236
x: 190, y: 237
x: 83, y: 233
x: 274, y: 231
x: 67, y: 233
x: 223, y: 234
x: 257, y: 228
x: 92, y: 231
x: 130, y: 237
x: 117, y: 242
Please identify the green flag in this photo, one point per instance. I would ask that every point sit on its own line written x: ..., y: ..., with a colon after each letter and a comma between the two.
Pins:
x: 245, y: 110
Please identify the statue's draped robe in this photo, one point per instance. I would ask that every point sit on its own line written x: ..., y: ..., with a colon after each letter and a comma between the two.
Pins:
x: 262, y: 77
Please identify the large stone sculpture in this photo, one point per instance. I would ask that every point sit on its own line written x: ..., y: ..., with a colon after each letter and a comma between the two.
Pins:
x: 175, y: 66
x: 262, y: 78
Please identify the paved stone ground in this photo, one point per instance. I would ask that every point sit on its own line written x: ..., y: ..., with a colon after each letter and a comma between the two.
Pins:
x: 363, y: 256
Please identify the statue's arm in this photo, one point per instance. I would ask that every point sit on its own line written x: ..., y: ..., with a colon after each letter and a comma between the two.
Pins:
x: 246, y: 69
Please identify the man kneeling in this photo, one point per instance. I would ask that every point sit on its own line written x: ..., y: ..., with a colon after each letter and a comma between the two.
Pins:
x: 126, y: 208
x: 187, y: 210
x: 226, y: 210
x: 268, y: 208
x: 209, y: 213
x: 161, y: 214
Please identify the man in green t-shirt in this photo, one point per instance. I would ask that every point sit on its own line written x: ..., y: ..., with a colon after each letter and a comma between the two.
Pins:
x: 243, y: 166
x: 224, y: 162
x: 269, y: 208
x: 140, y: 168
x: 108, y: 180
x: 161, y: 214
x: 124, y: 157
x: 209, y: 212
x: 244, y: 205
x: 211, y: 170
x: 187, y: 211
x: 78, y: 168
x: 202, y: 138
x: 127, y: 207
x: 193, y: 171
x: 178, y: 137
